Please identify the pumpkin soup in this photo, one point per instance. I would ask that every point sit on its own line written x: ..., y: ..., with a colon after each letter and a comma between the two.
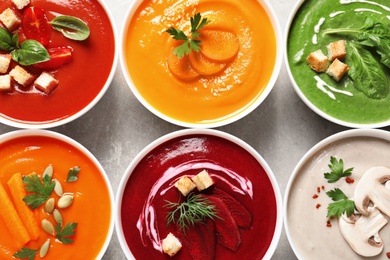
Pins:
x: 68, y: 201
x: 200, y: 62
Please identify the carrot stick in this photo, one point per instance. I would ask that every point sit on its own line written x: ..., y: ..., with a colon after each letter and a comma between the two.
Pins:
x: 219, y: 46
x: 12, y: 219
x: 18, y: 192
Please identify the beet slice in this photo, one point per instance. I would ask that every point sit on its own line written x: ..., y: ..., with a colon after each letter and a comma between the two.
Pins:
x: 240, y: 214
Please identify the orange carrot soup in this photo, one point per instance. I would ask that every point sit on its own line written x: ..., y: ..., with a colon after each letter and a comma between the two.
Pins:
x: 69, y: 220
x: 206, y: 74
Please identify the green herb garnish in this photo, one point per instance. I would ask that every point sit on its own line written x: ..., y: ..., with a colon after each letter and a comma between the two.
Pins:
x: 73, y: 174
x: 196, y: 209
x: 71, y: 27
x: 340, y: 205
x: 190, y: 43
x: 26, y: 253
x: 337, y: 170
x: 64, y: 234
x: 40, y: 190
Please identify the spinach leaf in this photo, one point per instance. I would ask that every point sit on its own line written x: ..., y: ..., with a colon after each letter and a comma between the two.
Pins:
x: 366, y: 72
x: 30, y: 52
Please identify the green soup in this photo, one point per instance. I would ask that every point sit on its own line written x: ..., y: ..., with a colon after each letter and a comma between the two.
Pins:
x: 340, y: 100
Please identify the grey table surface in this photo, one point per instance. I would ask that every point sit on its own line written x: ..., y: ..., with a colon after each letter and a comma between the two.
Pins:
x: 282, y: 129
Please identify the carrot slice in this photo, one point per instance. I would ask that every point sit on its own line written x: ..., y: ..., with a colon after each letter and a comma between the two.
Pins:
x: 219, y: 46
x: 18, y: 192
x: 181, y: 68
x: 204, y: 66
x: 12, y: 219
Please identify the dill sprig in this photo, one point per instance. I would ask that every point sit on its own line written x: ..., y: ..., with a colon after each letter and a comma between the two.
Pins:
x: 196, y: 209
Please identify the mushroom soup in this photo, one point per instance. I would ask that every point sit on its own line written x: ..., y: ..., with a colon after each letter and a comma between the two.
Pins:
x: 313, y: 233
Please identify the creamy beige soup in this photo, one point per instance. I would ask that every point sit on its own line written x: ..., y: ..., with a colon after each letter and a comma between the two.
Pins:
x: 308, y: 225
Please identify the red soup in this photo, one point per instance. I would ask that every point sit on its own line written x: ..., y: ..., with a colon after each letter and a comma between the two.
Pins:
x: 242, y: 191
x: 80, y: 81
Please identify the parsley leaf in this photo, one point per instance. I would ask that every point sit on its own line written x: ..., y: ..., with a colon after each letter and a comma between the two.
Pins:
x: 68, y: 231
x: 197, y: 23
x: 26, y: 253
x: 72, y: 174
x: 337, y: 170
x: 340, y: 205
x: 40, y: 190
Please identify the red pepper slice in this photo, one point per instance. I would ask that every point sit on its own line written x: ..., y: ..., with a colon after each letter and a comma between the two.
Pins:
x: 36, y: 26
x: 58, y: 57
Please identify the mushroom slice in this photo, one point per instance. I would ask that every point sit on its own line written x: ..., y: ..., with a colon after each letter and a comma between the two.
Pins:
x: 371, y: 188
x: 363, y: 236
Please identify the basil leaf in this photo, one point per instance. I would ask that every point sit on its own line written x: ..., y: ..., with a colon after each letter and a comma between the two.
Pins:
x: 366, y: 73
x: 71, y: 27
x: 30, y: 52
x: 6, y: 43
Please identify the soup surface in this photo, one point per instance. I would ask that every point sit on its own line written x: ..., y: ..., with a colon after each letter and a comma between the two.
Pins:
x: 206, y: 98
x: 341, y: 100
x: 234, y: 171
x: 91, y: 204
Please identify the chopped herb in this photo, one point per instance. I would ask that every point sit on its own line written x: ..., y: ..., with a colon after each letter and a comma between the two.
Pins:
x: 197, y: 23
x: 40, y: 190
x: 73, y: 174
x: 64, y: 234
x: 196, y: 209
x: 337, y: 170
x: 26, y: 253
x: 342, y: 204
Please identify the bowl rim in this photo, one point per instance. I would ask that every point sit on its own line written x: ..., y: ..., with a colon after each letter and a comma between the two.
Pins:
x: 228, y: 119
x: 61, y: 137
x: 374, y: 133
x: 62, y: 121
x: 183, y: 133
x: 300, y: 93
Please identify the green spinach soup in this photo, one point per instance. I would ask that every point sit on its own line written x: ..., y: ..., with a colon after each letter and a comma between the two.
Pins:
x: 360, y: 96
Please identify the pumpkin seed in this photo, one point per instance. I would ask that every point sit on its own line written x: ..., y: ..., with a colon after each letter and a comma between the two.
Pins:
x: 48, y: 171
x: 49, y: 206
x: 65, y: 201
x: 58, y: 188
x: 57, y: 216
x: 48, y: 226
x: 44, y: 248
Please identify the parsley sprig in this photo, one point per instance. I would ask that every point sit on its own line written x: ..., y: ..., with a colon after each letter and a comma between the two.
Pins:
x: 196, y: 209
x: 342, y: 204
x: 337, y: 170
x: 64, y: 235
x: 25, y: 252
x: 73, y: 174
x: 190, y: 43
x: 40, y: 190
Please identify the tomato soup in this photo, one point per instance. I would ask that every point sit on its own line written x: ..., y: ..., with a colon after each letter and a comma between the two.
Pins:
x: 80, y: 81
x: 91, y: 207
x: 235, y: 172
x: 207, y: 98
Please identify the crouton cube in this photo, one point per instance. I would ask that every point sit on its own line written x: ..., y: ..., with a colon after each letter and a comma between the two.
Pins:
x: 203, y: 180
x: 5, y: 61
x: 45, y: 82
x: 171, y: 245
x: 5, y: 82
x: 185, y: 185
x: 20, y: 4
x: 337, y: 50
x: 10, y: 19
x: 318, y: 61
x: 21, y: 76
x: 337, y: 69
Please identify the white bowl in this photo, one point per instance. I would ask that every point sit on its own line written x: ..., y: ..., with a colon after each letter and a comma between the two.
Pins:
x: 26, y: 158
x: 305, y: 224
x: 174, y: 160
x: 204, y: 123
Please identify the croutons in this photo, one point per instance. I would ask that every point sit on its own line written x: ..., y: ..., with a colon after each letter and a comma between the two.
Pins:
x: 5, y: 82
x: 171, y: 245
x: 20, y: 4
x: 21, y: 76
x: 10, y: 19
x: 203, y: 180
x: 337, y: 69
x: 45, y: 82
x: 185, y: 185
x: 337, y: 50
x: 318, y: 61
x: 5, y: 61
